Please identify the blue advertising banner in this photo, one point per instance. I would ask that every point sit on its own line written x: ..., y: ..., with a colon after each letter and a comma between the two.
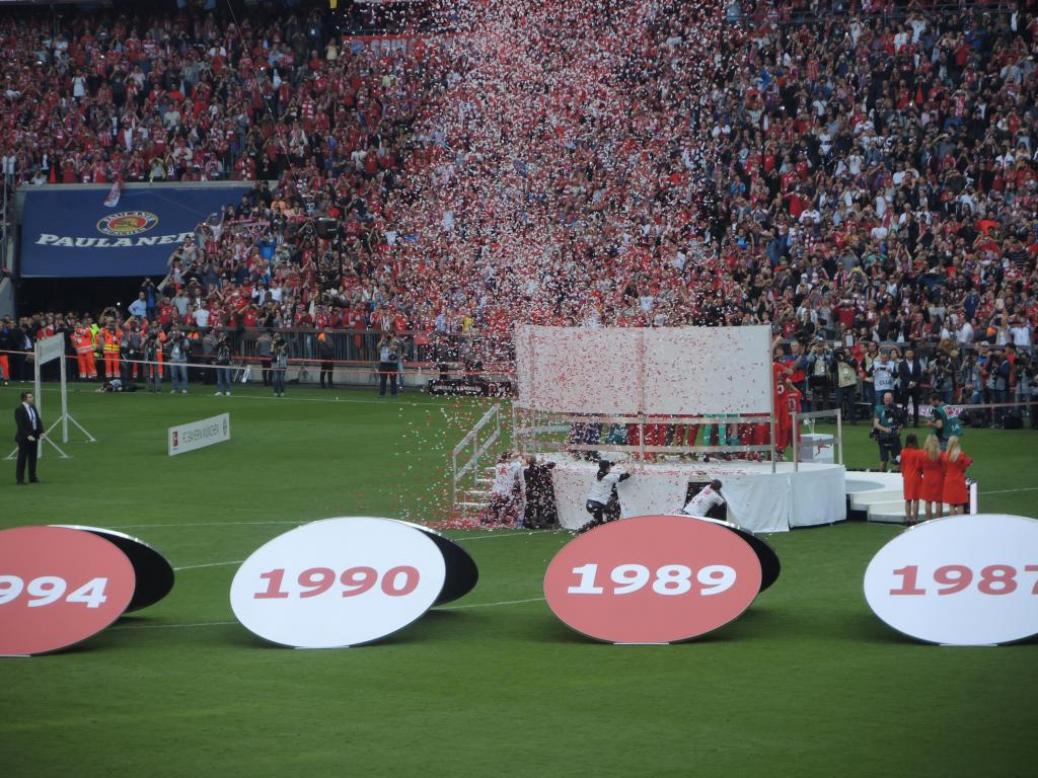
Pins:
x: 90, y: 231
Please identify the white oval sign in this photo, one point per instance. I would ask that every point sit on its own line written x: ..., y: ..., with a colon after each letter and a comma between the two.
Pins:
x: 962, y: 580
x: 338, y: 582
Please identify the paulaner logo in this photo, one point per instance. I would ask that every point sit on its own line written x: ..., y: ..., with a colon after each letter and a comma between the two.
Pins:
x: 127, y: 223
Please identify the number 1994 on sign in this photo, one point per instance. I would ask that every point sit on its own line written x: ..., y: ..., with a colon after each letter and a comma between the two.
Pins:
x: 49, y: 589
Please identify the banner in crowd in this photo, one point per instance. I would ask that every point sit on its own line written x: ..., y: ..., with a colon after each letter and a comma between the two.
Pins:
x: 926, y: 410
x: 88, y: 231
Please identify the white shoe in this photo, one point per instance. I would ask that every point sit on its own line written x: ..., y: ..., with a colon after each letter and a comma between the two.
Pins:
x: 217, y: 394
x: 183, y: 391
x: 228, y: 394
x: 172, y: 391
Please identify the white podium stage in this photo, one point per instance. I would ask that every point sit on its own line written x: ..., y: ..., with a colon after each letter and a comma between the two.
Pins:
x: 758, y: 500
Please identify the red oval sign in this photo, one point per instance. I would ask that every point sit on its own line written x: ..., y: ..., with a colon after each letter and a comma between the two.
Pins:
x: 652, y: 579
x: 57, y: 587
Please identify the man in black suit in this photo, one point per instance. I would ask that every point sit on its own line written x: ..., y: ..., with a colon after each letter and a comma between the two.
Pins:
x: 30, y: 430
x: 911, y: 377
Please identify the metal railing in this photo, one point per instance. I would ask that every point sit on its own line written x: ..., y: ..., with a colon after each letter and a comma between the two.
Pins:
x: 489, y: 422
x: 812, y: 416
x: 527, y: 434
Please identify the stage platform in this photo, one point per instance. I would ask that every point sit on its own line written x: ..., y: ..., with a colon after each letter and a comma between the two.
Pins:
x: 758, y: 499
x: 881, y: 496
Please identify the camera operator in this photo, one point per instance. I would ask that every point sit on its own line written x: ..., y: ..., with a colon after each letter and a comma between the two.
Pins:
x: 388, y: 356
x: 1028, y: 372
x: 886, y: 429
x: 820, y: 369
x: 279, y: 364
x: 152, y: 363
x: 847, y: 385
x: 222, y: 360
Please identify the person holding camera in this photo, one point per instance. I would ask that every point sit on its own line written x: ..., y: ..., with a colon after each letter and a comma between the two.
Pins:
x: 279, y: 364
x: 820, y: 369
x: 179, y: 353
x: 222, y: 360
x: 847, y: 385
x: 388, y: 357
x: 152, y: 362
x: 886, y: 429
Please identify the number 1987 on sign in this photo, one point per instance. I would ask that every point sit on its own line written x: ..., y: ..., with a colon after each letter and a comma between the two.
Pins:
x: 952, y: 579
x: 666, y: 580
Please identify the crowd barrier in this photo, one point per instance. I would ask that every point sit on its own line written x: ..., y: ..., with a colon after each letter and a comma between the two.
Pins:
x: 250, y: 369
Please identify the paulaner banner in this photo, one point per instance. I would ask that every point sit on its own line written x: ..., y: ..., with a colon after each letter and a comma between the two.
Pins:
x: 77, y: 231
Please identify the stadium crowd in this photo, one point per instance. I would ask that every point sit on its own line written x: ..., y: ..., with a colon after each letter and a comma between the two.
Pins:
x: 860, y: 175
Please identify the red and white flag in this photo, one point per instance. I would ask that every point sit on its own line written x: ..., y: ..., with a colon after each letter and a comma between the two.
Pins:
x: 114, y: 193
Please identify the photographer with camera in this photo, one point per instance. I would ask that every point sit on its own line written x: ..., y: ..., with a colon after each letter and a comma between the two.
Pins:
x: 279, y: 364
x: 820, y: 370
x: 222, y: 360
x: 153, y: 362
x: 886, y: 429
x: 846, y: 385
x: 388, y: 369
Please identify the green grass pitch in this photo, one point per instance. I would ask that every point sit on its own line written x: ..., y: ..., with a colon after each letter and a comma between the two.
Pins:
x: 807, y: 682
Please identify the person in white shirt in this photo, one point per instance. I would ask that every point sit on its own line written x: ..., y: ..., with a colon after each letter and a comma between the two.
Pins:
x: 600, y: 493
x: 1021, y: 334
x: 201, y: 317
x: 138, y: 307
x: 705, y: 500
x: 505, y: 507
x: 883, y: 371
x: 965, y: 334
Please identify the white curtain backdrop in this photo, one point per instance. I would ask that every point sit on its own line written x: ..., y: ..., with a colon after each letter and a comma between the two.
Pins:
x: 667, y: 370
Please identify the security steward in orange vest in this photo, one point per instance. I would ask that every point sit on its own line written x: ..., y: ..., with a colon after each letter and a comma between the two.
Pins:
x: 83, y: 340
x: 111, y: 338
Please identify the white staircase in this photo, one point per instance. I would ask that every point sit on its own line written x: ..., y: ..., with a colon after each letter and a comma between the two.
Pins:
x: 473, y: 501
x: 879, y: 495
x: 471, y: 477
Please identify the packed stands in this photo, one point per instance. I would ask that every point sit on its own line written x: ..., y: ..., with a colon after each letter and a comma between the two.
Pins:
x: 865, y: 179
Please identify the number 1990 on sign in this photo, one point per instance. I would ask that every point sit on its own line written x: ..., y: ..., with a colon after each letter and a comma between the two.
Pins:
x: 666, y: 580
x: 353, y: 581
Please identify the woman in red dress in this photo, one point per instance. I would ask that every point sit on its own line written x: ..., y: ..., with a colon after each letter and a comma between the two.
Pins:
x: 956, y: 463
x: 931, y: 492
x: 912, y: 477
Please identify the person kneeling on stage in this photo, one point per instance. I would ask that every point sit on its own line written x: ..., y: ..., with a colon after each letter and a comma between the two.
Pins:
x: 601, y: 490
x: 705, y: 500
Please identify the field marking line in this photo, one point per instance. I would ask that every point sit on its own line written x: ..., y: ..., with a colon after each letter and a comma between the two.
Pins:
x: 491, y: 604
x: 208, y: 564
x: 207, y: 524
x: 174, y: 626
x: 506, y: 535
x: 225, y: 623
x: 239, y: 561
x: 203, y: 393
x: 1011, y: 491
x: 301, y: 522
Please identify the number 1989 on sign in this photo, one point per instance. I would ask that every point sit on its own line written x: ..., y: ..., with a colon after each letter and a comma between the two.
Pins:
x: 667, y: 580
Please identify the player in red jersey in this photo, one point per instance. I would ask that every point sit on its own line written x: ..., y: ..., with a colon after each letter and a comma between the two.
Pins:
x: 787, y: 403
